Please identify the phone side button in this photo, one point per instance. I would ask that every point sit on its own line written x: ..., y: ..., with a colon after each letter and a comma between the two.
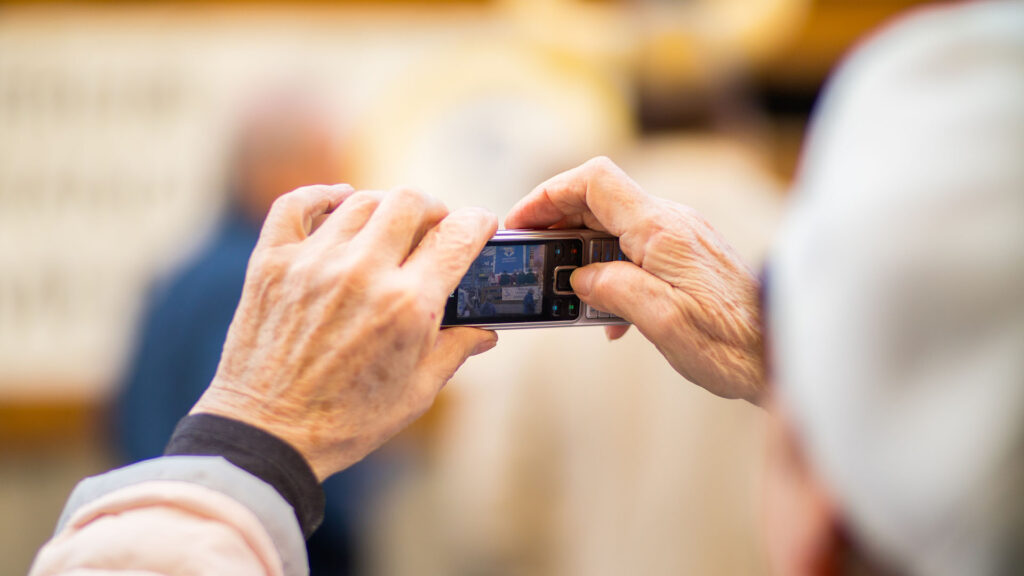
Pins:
x: 595, y: 251
x: 592, y: 312
x: 610, y: 247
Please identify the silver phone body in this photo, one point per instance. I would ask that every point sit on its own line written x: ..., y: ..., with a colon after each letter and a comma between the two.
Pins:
x: 595, y: 249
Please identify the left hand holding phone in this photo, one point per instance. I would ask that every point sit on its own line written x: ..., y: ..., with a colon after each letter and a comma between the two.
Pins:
x: 684, y: 288
x: 335, y: 346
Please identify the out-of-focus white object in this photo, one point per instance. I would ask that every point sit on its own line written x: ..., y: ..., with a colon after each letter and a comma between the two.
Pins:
x: 897, y: 296
x: 481, y: 125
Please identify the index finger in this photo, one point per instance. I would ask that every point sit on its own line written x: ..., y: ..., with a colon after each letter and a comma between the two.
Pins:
x: 597, y: 194
x: 398, y: 223
x: 446, y: 251
x: 292, y: 215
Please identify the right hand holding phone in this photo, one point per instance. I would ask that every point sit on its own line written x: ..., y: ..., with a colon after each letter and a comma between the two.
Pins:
x: 335, y: 345
x: 685, y: 288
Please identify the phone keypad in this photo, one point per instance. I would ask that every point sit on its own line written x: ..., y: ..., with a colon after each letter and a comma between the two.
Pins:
x: 568, y: 253
x: 604, y: 250
x: 566, y: 307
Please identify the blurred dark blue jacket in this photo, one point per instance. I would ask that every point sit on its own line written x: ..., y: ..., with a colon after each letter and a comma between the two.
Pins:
x: 179, y: 346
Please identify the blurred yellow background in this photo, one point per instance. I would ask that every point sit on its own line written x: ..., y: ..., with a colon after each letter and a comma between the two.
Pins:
x: 557, y: 453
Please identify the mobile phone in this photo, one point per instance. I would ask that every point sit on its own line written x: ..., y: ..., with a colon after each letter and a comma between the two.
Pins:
x: 521, y: 280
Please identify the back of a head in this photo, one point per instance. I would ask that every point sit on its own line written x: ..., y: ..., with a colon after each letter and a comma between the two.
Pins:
x: 898, y: 292
x: 284, y: 139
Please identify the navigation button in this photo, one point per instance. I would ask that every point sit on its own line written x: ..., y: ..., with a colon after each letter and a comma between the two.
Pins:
x: 562, y: 283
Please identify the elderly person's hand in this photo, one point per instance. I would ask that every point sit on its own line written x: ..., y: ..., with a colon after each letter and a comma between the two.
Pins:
x: 336, y: 346
x: 686, y: 289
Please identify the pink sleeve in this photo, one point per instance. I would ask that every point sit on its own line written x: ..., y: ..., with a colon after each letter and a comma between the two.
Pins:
x: 161, y: 527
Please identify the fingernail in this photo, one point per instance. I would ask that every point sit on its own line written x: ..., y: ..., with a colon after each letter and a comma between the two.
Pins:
x: 581, y: 281
x: 485, y: 346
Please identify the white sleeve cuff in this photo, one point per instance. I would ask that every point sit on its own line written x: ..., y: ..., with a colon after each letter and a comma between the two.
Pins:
x: 215, y: 473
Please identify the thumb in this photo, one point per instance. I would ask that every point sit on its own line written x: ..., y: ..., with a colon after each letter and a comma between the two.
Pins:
x: 452, y: 348
x: 624, y: 289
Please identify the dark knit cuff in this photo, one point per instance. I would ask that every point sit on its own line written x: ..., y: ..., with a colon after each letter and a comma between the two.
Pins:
x: 257, y: 452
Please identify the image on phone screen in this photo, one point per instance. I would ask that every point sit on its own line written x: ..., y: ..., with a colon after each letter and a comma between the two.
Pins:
x: 505, y: 282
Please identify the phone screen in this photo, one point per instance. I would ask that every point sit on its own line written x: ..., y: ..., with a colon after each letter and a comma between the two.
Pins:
x: 506, y: 282
x: 511, y: 282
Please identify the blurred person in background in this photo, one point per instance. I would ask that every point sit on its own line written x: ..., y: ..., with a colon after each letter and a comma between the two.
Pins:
x: 284, y: 140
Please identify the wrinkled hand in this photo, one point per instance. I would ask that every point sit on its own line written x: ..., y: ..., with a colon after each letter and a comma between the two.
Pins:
x: 686, y: 289
x: 336, y: 346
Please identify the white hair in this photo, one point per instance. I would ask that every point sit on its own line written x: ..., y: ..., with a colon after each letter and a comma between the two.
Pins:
x: 897, y: 295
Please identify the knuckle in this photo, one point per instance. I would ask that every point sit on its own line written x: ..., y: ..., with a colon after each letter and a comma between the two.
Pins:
x: 350, y: 267
x: 349, y: 276
x: 419, y: 312
x: 603, y: 274
x: 406, y: 294
x: 411, y: 196
x: 663, y: 239
x: 363, y: 197
x: 602, y: 165
x: 671, y: 246
x: 479, y: 215
x: 437, y: 209
x: 290, y: 200
x: 266, y: 272
x: 409, y: 298
x: 402, y: 306
x: 359, y: 259
x: 258, y: 263
x: 266, y: 263
x: 458, y: 236
x: 391, y: 289
x: 298, y: 198
x: 305, y: 267
x: 281, y: 203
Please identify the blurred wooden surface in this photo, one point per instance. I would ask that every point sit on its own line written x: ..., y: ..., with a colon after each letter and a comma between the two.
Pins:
x: 46, y: 447
x: 32, y: 427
